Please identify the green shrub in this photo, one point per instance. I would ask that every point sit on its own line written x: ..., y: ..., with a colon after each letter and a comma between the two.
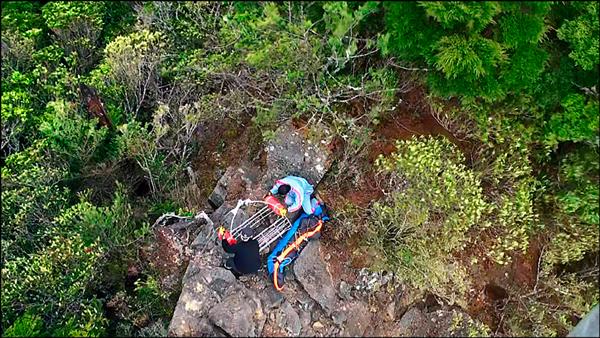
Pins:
x: 52, y: 282
x: 577, y: 212
x: 27, y: 325
x: 137, y: 143
x: 73, y: 138
x: 578, y: 122
x: 417, y: 228
x: 133, y: 61
x: 531, y: 314
x: 472, y: 55
x: 32, y: 194
x: 437, y: 206
x: 77, y: 26
x: 582, y: 33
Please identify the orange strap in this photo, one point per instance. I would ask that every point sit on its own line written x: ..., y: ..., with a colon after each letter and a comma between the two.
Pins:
x: 289, y: 248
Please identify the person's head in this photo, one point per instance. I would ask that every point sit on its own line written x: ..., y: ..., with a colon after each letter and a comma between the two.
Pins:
x: 283, y: 189
x: 246, y: 234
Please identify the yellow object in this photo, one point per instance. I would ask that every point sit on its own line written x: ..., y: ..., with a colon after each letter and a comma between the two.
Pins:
x: 283, y: 211
x: 221, y: 230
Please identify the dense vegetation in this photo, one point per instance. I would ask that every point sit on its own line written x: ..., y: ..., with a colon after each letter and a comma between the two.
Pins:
x: 83, y: 181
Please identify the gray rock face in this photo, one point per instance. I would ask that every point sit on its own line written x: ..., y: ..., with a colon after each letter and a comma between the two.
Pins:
x: 370, y: 281
x: 236, y: 183
x: 222, y: 216
x: 339, y: 317
x: 290, y: 153
x: 203, y: 287
x: 305, y: 319
x: 239, y: 314
x: 171, y: 249
x: 413, y: 323
x: 390, y: 311
x: 359, y: 317
x: 271, y: 298
x: 219, y: 193
x: 288, y: 319
x: 345, y: 290
x: 312, y: 273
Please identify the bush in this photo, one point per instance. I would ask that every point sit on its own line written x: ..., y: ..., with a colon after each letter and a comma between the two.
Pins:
x: 582, y: 33
x: 419, y: 226
x: 474, y: 57
x: 52, y: 282
x: 438, y: 205
x: 134, y: 61
x: 74, y: 139
x: 577, y: 123
x: 140, y: 145
x: 32, y: 194
x: 27, y: 325
x: 77, y: 27
x: 531, y: 315
x: 576, y: 203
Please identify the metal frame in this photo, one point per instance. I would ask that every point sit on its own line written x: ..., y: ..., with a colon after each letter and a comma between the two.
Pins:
x: 267, y: 232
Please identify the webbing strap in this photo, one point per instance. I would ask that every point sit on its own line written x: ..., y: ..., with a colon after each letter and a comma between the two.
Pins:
x: 289, y: 249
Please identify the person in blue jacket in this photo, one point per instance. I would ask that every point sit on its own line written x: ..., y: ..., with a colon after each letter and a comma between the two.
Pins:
x: 298, y: 194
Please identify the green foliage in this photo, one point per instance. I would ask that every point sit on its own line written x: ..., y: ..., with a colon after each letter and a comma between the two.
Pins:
x: 22, y: 16
x: 578, y: 122
x: 469, y: 327
x: 27, y: 325
x: 140, y: 145
x: 61, y: 14
x: 441, y: 207
x: 467, y: 58
x: 32, y: 194
x: 583, y: 33
x: 112, y: 225
x: 523, y: 24
x: 74, y: 139
x: 77, y: 27
x: 421, y: 225
x: 166, y: 71
x: 576, y: 198
x: 409, y: 44
x: 133, y: 61
x: 532, y: 315
x: 51, y: 282
x: 149, y: 294
x: 474, y: 16
x: 474, y: 57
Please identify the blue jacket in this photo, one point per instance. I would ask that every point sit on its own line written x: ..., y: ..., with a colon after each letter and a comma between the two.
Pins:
x: 299, y: 195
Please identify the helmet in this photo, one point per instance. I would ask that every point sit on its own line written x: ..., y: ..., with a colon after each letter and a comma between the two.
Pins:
x: 246, y: 234
x: 283, y: 189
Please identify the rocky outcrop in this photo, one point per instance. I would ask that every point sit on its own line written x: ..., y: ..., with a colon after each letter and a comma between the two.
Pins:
x: 413, y: 323
x: 219, y: 193
x: 172, y: 248
x: 312, y: 273
x: 240, y: 313
x: 288, y: 319
x: 358, y: 318
x: 223, y: 216
x: 203, y: 288
x: 440, y: 323
x: 214, y: 303
x: 291, y: 153
x: 236, y: 183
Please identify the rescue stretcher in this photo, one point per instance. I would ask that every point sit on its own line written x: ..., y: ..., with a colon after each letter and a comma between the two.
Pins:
x: 267, y: 220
